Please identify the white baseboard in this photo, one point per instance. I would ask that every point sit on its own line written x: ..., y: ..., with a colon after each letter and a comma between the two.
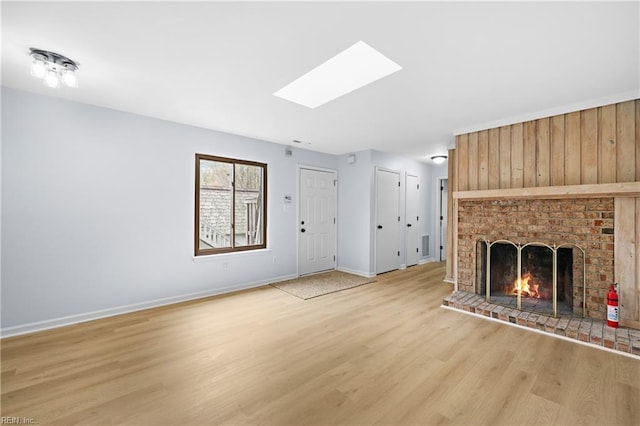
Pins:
x: 426, y: 260
x: 354, y: 272
x: 119, y: 310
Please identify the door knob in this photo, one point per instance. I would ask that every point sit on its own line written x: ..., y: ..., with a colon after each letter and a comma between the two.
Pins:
x: 379, y: 226
x: 408, y: 225
x: 303, y: 230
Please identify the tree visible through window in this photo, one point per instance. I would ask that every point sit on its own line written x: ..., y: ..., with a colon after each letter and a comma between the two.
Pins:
x: 230, y: 205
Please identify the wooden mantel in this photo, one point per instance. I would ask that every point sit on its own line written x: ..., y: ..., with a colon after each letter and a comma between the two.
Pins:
x: 625, y: 189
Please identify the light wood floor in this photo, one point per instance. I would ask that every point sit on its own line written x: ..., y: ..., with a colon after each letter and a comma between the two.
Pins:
x: 382, y: 353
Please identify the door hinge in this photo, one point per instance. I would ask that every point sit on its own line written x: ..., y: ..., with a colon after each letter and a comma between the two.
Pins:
x: 441, y: 247
x: 417, y: 251
x: 442, y: 188
x: 334, y: 220
x: 398, y: 253
x: 334, y: 257
x: 398, y: 183
x: 441, y: 217
x: 418, y: 186
x: 335, y: 182
x: 417, y: 217
x: 398, y: 218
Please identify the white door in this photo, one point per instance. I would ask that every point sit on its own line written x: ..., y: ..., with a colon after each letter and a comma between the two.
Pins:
x: 444, y: 189
x: 317, y: 227
x: 387, y: 221
x: 412, y: 217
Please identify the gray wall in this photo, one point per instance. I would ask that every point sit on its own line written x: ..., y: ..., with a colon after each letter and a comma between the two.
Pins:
x: 354, y: 214
x: 97, y: 212
x: 356, y: 207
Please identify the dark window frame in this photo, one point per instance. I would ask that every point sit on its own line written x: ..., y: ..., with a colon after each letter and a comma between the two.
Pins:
x: 210, y: 251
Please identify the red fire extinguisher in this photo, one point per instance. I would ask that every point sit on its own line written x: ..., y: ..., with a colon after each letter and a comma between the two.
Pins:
x: 612, y: 307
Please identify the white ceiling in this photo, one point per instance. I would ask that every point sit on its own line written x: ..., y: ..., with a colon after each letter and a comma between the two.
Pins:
x: 217, y: 65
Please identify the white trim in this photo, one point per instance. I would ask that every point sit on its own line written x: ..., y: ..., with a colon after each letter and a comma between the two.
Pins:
x: 299, y: 167
x: 564, y: 109
x: 125, y: 309
x: 438, y: 239
x: 535, y: 330
x: 355, y: 272
x: 427, y: 260
x: 243, y: 253
x: 320, y: 169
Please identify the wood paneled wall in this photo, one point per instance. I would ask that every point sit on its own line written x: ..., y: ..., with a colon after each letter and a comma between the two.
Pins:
x: 452, y: 223
x: 627, y: 259
x: 593, y: 146
x: 597, y: 145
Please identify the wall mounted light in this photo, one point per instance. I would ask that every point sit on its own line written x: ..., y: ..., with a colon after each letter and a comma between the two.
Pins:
x: 53, y: 68
x: 439, y: 159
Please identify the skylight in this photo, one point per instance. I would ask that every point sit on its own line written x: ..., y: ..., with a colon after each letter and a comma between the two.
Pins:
x: 349, y: 70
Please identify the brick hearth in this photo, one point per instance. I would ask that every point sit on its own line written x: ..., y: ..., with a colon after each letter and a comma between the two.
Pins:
x: 588, y: 330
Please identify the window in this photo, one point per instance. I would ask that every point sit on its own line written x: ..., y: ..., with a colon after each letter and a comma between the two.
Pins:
x: 230, y: 213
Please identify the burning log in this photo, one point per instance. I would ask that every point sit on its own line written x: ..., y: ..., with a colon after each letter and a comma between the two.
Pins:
x: 526, y: 287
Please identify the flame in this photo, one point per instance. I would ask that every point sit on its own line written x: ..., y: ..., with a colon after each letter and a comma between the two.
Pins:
x: 526, y: 287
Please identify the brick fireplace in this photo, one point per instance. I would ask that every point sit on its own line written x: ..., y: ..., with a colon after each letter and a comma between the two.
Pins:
x: 582, y: 222
x: 567, y: 179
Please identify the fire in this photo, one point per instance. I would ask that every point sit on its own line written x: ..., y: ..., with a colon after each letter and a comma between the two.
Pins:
x: 526, y: 287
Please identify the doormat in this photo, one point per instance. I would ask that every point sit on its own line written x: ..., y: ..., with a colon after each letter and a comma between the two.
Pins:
x: 311, y: 286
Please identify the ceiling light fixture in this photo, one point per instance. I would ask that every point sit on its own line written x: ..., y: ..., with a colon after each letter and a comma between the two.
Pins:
x: 439, y: 159
x: 53, y: 68
x: 349, y: 70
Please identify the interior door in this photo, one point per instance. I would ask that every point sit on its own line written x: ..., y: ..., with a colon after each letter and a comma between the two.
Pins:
x: 387, y: 221
x: 444, y: 189
x: 317, y: 227
x: 412, y: 232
